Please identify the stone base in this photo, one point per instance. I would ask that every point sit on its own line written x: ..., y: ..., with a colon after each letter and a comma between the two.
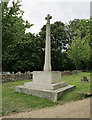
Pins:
x: 46, y: 84
x: 52, y: 95
x: 46, y: 77
x: 41, y: 86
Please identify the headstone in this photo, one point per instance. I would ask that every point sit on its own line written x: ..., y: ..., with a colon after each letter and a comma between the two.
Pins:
x: 28, y: 72
x: 18, y: 73
x: 46, y: 83
x: 8, y: 73
x: 12, y: 72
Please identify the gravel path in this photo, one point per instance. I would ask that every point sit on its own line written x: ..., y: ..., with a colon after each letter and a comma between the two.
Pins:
x: 79, y: 109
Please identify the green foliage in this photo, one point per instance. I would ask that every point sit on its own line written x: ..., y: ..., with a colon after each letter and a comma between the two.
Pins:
x: 83, y: 25
x: 59, y: 37
x: 59, y: 41
x: 13, y: 32
x: 79, y: 50
x: 13, y: 25
x: 24, y: 55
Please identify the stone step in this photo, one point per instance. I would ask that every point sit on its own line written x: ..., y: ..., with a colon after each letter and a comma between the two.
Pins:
x: 38, y: 86
x: 61, y: 91
x: 52, y: 95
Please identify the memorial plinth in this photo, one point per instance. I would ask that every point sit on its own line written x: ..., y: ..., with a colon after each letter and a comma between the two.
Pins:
x: 47, y: 83
x: 46, y: 77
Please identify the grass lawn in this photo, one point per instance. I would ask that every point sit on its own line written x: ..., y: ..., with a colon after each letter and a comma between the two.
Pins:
x: 18, y: 102
x: 81, y: 87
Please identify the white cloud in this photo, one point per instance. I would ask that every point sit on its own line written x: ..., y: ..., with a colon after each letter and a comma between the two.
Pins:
x: 32, y: 1
x: 36, y: 11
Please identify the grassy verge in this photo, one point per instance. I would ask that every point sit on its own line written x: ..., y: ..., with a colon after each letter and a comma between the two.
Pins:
x: 81, y: 87
x: 18, y: 102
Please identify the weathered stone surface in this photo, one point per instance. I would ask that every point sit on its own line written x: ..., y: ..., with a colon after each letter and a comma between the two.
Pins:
x: 52, y: 95
x: 47, y: 64
x: 46, y: 77
x: 42, y: 86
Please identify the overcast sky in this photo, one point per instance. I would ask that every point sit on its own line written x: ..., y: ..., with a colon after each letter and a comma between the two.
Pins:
x: 35, y: 11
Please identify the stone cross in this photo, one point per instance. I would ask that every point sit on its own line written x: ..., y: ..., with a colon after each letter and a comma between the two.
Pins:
x: 48, y: 18
x: 47, y: 65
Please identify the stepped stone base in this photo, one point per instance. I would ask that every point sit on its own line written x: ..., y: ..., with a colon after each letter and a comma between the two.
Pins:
x: 46, y: 84
x: 52, y: 95
x: 41, y: 86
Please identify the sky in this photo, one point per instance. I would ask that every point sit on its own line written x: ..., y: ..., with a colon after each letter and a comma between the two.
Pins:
x: 35, y: 11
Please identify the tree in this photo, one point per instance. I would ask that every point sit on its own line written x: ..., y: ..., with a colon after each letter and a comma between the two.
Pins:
x: 79, y: 50
x: 13, y: 25
x: 59, y: 38
x: 13, y: 32
x: 25, y: 55
x: 83, y: 25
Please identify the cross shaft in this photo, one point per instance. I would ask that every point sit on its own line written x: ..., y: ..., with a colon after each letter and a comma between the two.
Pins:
x: 47, y: 65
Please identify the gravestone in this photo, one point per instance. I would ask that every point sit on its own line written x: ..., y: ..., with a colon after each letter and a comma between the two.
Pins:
x: 28, y: 72
x: 8, y: 73
x: 46, y: 83
x: 12, y: 72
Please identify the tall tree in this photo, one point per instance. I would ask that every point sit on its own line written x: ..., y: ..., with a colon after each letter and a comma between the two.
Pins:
x: 25, y: 55
x: 59, y: 39
x: 83, y: 25
x: 13, y: 31
x: 79, y: 50
x: 13, y: 25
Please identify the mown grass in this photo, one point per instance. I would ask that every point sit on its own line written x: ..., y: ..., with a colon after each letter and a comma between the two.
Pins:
x: 18, y: 102
x: 81, y: 87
